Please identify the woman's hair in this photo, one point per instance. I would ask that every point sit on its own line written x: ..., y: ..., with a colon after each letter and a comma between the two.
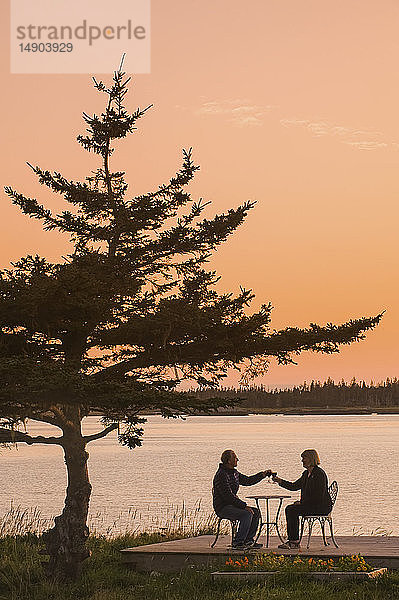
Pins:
x: 313, y: 457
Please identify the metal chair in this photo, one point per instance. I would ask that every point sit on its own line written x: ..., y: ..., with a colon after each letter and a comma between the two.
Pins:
x: 233, y: 530
x: 322, y: 519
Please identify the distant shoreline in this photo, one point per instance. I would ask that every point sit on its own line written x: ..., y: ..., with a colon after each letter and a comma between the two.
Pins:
x: 301, y: 411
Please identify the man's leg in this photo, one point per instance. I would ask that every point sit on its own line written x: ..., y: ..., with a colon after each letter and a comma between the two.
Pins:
x: 292, y: 513
x: 253, y: 528
x: 244, y: 519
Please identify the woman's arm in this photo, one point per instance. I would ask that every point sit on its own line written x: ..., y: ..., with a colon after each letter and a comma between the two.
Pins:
x: 290, y: 485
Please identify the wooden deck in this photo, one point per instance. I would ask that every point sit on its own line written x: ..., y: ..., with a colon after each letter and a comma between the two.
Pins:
x: 176, y: 555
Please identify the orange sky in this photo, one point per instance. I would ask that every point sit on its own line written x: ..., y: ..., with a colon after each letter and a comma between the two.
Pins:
x: 293, y: 104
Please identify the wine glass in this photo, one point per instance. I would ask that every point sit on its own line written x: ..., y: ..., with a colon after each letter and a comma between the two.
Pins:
x: 272, y: 474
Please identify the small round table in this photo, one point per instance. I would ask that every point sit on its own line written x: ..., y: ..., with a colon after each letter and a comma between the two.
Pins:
x: 269, y: 524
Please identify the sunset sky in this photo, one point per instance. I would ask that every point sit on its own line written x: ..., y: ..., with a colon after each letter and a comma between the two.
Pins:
x: 292, y: 104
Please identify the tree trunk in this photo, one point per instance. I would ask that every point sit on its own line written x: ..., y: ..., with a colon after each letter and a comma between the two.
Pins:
x: 66, y: 541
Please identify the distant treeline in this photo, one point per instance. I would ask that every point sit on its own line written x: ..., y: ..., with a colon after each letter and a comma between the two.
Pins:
x: 314, y: 395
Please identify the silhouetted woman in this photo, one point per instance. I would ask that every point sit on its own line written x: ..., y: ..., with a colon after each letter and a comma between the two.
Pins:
x: 315, y: 499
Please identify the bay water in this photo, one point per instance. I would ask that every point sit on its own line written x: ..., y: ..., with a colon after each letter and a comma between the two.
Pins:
x: 169, y: 479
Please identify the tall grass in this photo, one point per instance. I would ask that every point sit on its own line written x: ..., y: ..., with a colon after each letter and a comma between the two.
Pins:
x: 18, y: 522
x: 173, y: 518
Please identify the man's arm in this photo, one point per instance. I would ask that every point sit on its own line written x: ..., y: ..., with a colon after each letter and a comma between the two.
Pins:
x: 252, y: 479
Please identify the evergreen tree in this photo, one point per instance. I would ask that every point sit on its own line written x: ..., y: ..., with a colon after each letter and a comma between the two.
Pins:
x: 128, y: 315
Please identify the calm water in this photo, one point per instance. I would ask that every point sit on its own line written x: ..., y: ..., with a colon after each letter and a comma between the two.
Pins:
x: 146, y: 487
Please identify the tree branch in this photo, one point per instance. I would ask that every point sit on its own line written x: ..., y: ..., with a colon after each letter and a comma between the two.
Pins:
x: 43, y: 418
x: 53, y: 416
x: 279, y: 344
x: 9, y: 436
x: 100, y: 434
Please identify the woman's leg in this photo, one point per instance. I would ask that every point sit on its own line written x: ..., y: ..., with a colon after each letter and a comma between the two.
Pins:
x: 292, y: 513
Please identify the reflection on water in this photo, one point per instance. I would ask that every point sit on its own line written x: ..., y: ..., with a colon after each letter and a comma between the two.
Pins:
x: 146, y: 487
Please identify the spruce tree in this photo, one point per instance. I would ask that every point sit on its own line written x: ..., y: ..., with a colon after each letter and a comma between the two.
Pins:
x: 128, y: 315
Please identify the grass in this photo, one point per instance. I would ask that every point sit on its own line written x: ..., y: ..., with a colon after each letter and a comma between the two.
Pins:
x: 104, y: 577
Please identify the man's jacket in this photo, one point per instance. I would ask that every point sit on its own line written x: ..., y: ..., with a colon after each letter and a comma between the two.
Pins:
x: 225, y: 487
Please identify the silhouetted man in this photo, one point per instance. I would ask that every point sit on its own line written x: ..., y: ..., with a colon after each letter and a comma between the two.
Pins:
x: 228, y: 505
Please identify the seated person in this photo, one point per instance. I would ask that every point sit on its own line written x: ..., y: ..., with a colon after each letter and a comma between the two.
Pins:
x: 228, y: 505
x: 315, y: 499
